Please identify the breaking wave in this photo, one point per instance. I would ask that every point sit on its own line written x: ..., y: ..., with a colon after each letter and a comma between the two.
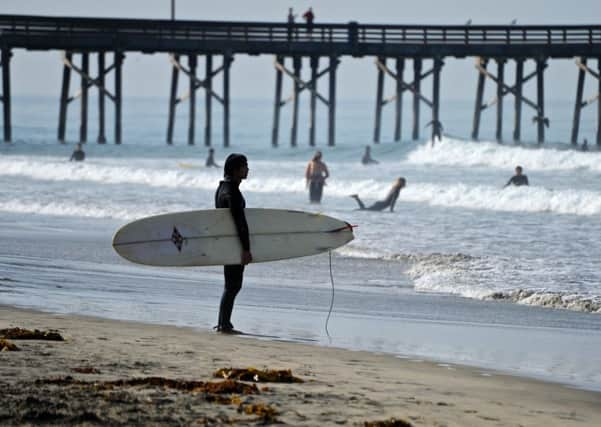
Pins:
x: 487, y: 279
x: 497, y: 279
x: 456, y: 152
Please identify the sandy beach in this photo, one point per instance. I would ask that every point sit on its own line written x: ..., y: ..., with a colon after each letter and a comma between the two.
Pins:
x: 125, y: 373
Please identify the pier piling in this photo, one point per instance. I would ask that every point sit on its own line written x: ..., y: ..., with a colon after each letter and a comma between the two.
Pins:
x: 500, y: 87
x: 297, y: 64
x: 208, y: 97
x: 540, y: 99
x: 481, y: 63
x: 381, y: 61
x: 519, y: 77
x: 64, y: 101
x: 118, y: 95
x: 192, y: 63
x: 277, y: 104
x: 6, y: 99
x: 578, y: 104
x: 172, y: 99
x: 332, y: 101
x: 227, y: 62
x: 83, y: 125
x: 417, y: 71
x: 598, y: 96
x: 398, y: 116
x: 313, y: 104
x: 101, y: 95
x: 436, y: 124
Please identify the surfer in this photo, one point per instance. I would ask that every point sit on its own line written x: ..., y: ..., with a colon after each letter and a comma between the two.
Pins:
x: 228, y: 195
x: 316, y: 175
x: 518, y: 179
x: 78, y: 154
x: 390, y: 199
x: 210, y: 162
x: 367, y: 159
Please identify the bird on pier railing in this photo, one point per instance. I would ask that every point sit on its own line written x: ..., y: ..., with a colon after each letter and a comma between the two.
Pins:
x: 468, y: 22
x: 545, y: 120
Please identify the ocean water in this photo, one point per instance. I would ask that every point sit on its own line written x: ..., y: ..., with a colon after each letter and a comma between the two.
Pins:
x: 511, y: 274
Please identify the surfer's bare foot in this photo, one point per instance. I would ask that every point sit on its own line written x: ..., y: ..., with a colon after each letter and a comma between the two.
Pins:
x: 229, y: 329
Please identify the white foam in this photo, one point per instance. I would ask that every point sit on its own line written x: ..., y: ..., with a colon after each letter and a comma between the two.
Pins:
x: 455, y: 152
x: 497, y: 279
x: 510, y: 199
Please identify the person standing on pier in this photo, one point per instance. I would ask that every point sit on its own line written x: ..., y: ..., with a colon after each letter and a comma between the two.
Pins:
x: 316, y: 175
x: 309, y: 17
x: 228, y: 195
x: 78, y: 154
x: 518, y: 179
x: 291, y: 18
x: 584, y: 146
x: 367, y: 159
x: 210, y: 162
x: 389, y: 201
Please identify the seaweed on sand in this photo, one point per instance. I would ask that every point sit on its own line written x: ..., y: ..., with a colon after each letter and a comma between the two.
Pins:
x: 392, y: 422
x: 6, y: 345
x: 258, y: 375
x: 26, y: 334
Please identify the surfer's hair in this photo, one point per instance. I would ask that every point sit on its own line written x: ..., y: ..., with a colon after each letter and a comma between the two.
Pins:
x: 234, y: 162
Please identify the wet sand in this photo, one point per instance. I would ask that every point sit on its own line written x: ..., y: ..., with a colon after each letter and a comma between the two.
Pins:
x: 124, y: 373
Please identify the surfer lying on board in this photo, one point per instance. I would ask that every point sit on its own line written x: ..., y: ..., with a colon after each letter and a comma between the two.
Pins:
x: 518, y: 179
x: 228, y: 195
x: 390, y: 199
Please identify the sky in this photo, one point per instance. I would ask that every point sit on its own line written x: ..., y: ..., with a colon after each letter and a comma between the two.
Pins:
x: 39, y: 73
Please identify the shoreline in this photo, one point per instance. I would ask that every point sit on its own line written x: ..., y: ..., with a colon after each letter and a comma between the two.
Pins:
x: 341, y: 386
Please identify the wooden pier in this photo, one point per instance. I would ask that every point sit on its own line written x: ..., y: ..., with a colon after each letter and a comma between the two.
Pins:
x: 293, y: 44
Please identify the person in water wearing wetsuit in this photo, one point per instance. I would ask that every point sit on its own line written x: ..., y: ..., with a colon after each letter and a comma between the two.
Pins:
x: 316, y: 175
x: 390, y: 199
x: 228, y: 195
x: 210, y: 162
x: 367, y: 159
x: 78, y: 155
x: 518, y: 179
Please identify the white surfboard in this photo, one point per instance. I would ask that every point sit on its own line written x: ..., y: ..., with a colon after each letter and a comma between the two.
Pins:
x: 209, y: 237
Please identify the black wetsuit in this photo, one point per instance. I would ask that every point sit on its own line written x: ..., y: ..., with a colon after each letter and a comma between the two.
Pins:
x: 390, y: 200
x: 367, y: 160
x: 78, y: 155
x: 518, y: 180
x: 228, y: 196
x: 210, y: 162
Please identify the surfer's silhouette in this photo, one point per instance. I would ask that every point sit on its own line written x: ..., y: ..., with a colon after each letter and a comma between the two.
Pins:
x: 228, y: 195
x: 210, y: 162
x: 518, y: 179
x: 367, y: 159
x: 78, y: 154
x: 389, y: 201
x: 316, y: 175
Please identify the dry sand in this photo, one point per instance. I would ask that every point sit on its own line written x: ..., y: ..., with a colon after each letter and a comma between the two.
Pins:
x: 340, y: 387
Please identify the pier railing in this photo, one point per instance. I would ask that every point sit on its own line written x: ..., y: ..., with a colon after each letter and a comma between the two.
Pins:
x: 35, y: 32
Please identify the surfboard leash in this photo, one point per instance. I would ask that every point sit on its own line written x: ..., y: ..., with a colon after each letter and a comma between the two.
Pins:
x: 332, y: 299
x: 346, y: 227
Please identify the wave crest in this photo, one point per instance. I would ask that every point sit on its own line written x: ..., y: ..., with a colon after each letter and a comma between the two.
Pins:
x: 456, y: 152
